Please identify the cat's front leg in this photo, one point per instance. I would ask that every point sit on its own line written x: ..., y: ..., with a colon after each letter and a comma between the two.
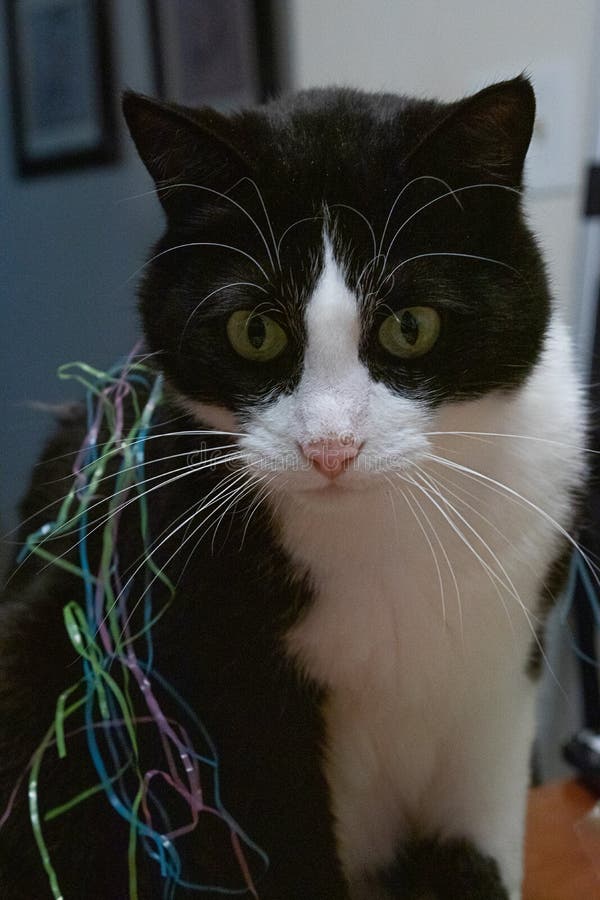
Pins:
x: 461, y: 836
x: 479, y: 794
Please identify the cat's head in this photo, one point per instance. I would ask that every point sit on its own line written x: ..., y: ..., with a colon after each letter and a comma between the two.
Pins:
x: 338, y: 267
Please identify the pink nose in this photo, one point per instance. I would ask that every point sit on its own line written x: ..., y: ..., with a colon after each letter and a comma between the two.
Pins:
x: 331, y: 456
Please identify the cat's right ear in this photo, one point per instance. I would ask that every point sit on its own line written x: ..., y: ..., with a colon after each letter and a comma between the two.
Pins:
x: 183, y: 150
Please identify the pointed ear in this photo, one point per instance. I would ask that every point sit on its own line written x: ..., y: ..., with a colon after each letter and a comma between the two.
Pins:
x: 484, y: 137
x: 183, y: 146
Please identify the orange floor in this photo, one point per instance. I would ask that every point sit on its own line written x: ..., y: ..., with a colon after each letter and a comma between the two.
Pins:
x: 557, y: 866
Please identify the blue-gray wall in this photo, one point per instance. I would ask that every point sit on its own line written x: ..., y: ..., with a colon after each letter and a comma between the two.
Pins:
x: 68, y: 244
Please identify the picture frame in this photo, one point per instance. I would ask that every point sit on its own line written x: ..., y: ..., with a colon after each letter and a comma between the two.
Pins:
x: 61, y: 84
x: 210, y: 52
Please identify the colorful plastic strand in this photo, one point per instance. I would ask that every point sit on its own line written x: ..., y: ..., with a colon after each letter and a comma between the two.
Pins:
x: 115, y: 680
x: 34, y: 814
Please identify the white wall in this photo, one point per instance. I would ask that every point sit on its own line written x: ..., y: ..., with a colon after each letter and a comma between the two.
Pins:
x: 448, y: 48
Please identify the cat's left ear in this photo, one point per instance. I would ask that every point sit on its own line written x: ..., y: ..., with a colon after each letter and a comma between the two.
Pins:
x: 182, y: 147
x: 484, y: 137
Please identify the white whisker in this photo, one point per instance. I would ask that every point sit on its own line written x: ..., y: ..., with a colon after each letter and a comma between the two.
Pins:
x: 245, y: 488
x: 219, y: 486
x: 239, y: 488
x: 512, y: 589
x: 223, y: 287
x: 224, y: 196
x: 262, y: 496
x: 443, y: 482
x: 192, y: 244
x: 264, y: 208
x: 155, y: 549
x: 233, y: 497
x: 495, y: 579
x: 96, y: 524
x: 401, y: 193
x: 502, y: 434
x: 460, y: 255
x: 450, y: 193
x: 371, y: 262
x: 431, y: 549
x: 189, y: 469
x: 363, y: 217
x: 504, y: 490
x: 448, y: 563
x: 293, y: 225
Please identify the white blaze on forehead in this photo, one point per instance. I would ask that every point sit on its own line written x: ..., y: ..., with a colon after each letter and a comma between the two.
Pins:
x: 332, y: 322
x: 334, y: 387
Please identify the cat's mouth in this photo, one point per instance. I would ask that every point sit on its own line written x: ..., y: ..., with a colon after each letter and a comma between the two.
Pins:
x: 351, y: 481
x: 328, y: 487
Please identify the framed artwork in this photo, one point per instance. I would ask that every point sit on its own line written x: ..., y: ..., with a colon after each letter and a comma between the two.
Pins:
x: 61, y: 86
x: 213, y: 52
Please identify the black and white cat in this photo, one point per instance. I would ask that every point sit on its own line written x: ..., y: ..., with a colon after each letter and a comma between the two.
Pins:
x: 347, y: 288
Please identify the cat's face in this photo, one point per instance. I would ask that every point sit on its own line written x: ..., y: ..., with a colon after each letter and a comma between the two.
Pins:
x: 337, y: 269
x: 340, y: 425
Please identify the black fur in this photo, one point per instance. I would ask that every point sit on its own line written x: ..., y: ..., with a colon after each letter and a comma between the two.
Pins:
x: 444, y: 870
x: 219, y: 644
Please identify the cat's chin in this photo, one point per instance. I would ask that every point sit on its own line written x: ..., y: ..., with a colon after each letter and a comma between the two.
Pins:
x: 333, y: 490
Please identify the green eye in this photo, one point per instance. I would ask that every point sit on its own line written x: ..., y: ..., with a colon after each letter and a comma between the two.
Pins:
x: 410, y: 332
x: 255, y: 336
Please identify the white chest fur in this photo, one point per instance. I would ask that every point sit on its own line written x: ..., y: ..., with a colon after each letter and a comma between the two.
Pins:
x: 425, y: 608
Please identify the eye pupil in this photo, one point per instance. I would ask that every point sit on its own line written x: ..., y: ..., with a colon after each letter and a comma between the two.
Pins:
x: 409, y: 327
x: 257, y: 331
